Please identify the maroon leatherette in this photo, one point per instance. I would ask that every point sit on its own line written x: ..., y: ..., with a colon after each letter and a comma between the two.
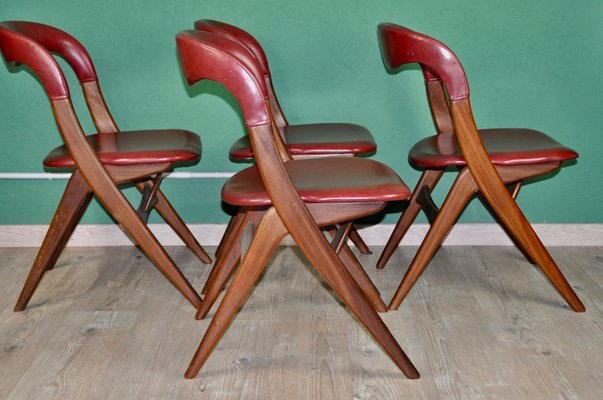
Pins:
x: 400, y: 45
x: 239, y: 35
x: 511, y: 146
x: 205, y: 55
x: 316, y: 139
x: 134, y: 148
x: 322, y: 180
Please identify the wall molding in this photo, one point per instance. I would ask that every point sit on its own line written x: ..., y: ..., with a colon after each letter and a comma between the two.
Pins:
x: 375, y: 235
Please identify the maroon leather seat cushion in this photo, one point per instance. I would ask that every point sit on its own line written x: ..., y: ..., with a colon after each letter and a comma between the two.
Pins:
x: 505, y: 147
x: 322, y: 180
x: 135, y: 147
x: 317, y: 139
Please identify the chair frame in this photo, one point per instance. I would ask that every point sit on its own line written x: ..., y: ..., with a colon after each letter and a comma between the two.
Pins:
x: 204, y: 55
x: 90, y: 177
x: 448, y: 97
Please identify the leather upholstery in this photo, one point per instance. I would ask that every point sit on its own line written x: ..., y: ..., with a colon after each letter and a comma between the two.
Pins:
x: 322, y: 180
x: 504, y: 146
x: 239, y: 35
x: 18, y: 48
x: 135, y: 147
x: 316, y: 139
x: 400, y: 45
x: 205, y: 55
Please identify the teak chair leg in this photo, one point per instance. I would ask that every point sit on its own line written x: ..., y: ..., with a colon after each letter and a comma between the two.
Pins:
x: 268, y: 235
x: 234, y: 255
x: 115, y: 202
x: 227, y: 263
x: 461, y: 192
x: 358, y: 241
x: 429, y: 179
x: 330, y: 267
x: 510, y: 234
x: 169, y: 215
x: 72, y: 206
x: 523, y: 234
x: 359, y: 274
x: 232, y: 224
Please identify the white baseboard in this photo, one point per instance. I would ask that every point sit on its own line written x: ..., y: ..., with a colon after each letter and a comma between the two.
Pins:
x: 376, y: 235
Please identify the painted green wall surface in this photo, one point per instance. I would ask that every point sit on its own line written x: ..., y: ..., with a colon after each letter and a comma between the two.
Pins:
x: 531, y: 64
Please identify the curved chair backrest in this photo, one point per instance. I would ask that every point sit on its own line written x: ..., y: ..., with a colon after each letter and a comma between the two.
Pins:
x: 247, y: 40
x: 400, y: 45
x: 238, y: 34
x: 205, y: 55
x: 31, y: 43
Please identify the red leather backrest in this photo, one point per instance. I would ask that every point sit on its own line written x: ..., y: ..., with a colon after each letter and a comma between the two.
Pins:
x: 400, y: 46
x: 206, y: 55
x: 238, y: 34
x: 18, y: 48
x: 21, y: 37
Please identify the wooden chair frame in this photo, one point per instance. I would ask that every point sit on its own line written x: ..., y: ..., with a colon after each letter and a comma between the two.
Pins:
x: 204, y: 55
x: 31, y: 44
x: 448, y: 96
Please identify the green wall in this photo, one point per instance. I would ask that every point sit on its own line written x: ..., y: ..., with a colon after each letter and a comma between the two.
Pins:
x: 530, y: 63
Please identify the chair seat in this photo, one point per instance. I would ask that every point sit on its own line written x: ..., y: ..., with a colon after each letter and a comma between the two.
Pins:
x: 505, y: 147
x: 317, y: 139
x: 135, y: 147
x: 322, y: 180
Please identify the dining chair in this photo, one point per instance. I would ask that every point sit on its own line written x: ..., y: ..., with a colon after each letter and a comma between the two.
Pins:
x: 294, y: 197
x: 303, y: 141
x: 100, y: 162
x: 491, y: 163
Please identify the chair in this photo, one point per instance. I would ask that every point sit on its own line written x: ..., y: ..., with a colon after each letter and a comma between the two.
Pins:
x: 290, y: 196
x: 303, y: 141
x: 100, y: 162
x: 490, y: 162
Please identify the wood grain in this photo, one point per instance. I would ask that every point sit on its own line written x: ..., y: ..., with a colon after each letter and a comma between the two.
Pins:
x: 481, y: 323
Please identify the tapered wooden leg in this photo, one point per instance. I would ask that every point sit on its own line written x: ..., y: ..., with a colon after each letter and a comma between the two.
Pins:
x: 74, y: 202
x: 510, y: 234
x: 169, y: 215
x: 268, y: 235
x: 462, y: 190
x: 523, y: 234
x: 359, y: 274
x: 234, y: 253
x: 429, y: 179
x: 232, y: 224
x: 358, y: 241
x: 126, y: 216
x: 227, y: 263
x: 330, y: 267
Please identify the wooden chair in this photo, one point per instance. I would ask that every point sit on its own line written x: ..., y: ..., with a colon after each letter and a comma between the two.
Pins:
x: 289, y: 196
x: 303, y: 141
x: 100, y: 162
x: 490, y: 162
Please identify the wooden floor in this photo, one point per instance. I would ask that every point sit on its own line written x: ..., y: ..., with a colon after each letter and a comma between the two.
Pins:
x: 480, y: 324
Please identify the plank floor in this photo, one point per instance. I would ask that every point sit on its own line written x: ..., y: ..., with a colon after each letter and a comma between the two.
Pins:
x: 481, y: 324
